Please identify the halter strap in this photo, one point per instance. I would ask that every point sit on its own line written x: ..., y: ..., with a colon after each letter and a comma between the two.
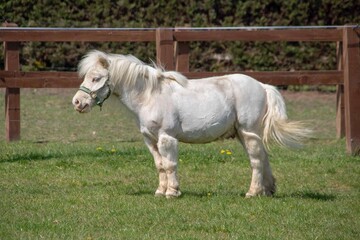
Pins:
x: 94, y: 96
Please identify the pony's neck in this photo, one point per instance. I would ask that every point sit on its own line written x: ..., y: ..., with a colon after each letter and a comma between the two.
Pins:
x: 130, y: 73
x: 133, y: 89
x: 133, y: 81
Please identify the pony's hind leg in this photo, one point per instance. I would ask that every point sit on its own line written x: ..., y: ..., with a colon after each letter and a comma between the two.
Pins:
x: 168, y: 149
x: 163, y: 182
x: 262, y: 181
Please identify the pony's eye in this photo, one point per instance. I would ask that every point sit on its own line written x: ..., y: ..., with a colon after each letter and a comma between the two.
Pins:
x: 96, y: 79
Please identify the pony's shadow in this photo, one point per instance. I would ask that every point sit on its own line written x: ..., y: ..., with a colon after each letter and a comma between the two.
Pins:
x: 318, y: 196
x: 308, y: 195
x: 140, y: 193
x: 200, y: 194
x: 299, y: 195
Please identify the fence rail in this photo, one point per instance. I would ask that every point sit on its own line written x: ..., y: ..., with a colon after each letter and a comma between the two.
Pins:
x: 16, y: 79
x: 75, y: 35
x: 325, y: 35
x: 173, y: 52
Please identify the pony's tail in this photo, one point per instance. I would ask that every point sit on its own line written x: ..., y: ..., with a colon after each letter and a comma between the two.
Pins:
x: 277, y: 128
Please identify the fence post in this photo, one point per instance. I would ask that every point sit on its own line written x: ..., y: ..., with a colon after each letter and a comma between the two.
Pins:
x: 340, y: 108
x: 351, y: 64
x: 182, y: 56
x: 12, y: 95
x: 165, y: 48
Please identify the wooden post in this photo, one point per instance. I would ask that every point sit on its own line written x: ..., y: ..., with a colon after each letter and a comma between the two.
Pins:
x: 182, y: 55
x: 165, y: 48
x: 340, y: 108
x: 12, y: 95
x: 351, y: 63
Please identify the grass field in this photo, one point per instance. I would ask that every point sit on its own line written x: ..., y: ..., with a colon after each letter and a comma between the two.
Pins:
x: 90, y: 176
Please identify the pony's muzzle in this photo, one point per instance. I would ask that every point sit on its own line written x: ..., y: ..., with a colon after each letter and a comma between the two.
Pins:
x: 81, y: 107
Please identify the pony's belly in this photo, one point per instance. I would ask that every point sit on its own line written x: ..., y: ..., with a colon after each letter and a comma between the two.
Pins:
x: 207, y: 134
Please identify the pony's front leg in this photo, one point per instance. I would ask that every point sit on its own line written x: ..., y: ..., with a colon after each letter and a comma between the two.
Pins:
x: 168, y: 149
x: 163, y: 182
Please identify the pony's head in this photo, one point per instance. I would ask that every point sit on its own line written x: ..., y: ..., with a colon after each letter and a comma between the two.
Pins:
x: 128, y: 75
x: 95, y: 88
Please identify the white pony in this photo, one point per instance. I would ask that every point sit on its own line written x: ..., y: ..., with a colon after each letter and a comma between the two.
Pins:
x: 170, y: 108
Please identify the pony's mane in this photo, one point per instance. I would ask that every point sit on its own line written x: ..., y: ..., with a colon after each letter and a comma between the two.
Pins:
x: 130, y: 71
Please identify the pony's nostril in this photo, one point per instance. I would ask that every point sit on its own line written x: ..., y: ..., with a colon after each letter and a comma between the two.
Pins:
x: 77, y: 102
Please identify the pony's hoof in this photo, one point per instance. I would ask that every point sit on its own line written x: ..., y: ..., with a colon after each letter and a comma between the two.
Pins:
x: 259, y: 194
x: 173, y: 194
x: 271, y: 190
x: 250, y: 195
x: 255, y: 192
x: 159, y: 193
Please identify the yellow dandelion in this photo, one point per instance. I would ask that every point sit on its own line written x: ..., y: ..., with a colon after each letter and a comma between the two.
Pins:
x: 228, y: 152
x: 113, y: 150
x: 222, y: 151
x: 99, y: 149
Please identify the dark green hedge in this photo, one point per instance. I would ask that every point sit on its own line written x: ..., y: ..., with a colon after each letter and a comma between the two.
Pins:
x: 170, y: 13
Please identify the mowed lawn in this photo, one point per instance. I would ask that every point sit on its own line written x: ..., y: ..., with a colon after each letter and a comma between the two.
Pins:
x: 89, y: 176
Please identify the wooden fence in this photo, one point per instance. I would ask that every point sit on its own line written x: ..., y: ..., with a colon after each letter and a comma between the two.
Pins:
x: 172, y: 50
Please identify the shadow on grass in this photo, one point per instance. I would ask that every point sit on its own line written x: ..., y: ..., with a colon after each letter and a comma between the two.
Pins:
x: 21, y: 157
x: 214, y: 194
x: 308, y: 195
x: 46, y: 155
x: 188, y: 193
x: 140, y: 192
x: 300, y: 195
x: 37, y: 156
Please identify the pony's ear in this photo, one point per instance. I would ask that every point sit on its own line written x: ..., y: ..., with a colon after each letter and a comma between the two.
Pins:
x: 104, y: 62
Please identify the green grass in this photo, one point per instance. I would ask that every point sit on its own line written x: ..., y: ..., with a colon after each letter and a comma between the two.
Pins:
x: 69, y: 180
